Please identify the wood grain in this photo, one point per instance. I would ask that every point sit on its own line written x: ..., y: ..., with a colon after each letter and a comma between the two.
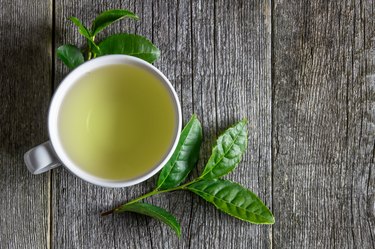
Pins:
x: 25, y: 88
x: 232, y: 54
x: 323, y: 133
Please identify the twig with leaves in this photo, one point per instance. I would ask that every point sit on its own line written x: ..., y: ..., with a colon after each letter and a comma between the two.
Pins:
x: 123, y: 43
x: 227, y: 196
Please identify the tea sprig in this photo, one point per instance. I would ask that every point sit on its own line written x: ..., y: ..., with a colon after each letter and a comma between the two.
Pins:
x: 227, y: 196
x: 123, y: 43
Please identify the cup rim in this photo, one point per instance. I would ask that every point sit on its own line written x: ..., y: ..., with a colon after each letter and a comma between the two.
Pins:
x: 58, y: 98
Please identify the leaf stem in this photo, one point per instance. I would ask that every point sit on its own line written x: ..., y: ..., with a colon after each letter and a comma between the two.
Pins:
x: 93, y: 41
x: 90, y: 52
x: 154, y: 192
x: 89, y: 55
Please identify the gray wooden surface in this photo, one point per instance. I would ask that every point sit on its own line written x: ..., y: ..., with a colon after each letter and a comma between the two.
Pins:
x: 302, y: 72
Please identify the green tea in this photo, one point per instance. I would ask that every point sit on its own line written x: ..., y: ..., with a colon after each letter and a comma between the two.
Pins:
x: 118, y: 122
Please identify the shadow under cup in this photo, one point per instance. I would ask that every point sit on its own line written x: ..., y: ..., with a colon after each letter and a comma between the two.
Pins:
x: 115, y: 121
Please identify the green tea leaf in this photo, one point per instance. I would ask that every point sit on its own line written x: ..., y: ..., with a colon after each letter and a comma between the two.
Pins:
x: 129, y: 44
x: 86, y: 33
x: 70, y: 55
x: 227, y: 152
x: 108, y: 17
x: 81, y: 28
x: 233, y: 199
x: 184, y: 157
x: 152, y: 211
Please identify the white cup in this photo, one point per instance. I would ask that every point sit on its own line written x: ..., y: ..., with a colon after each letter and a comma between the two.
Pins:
x: 52, y: 154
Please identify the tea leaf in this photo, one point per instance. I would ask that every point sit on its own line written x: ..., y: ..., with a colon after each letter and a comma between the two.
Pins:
x: 227, y: 152
x: 129, y: 44
x: 233, y: 199
x: 70, y: 55
x: 108, y: 17
x: 81, y: 28
x: 184, y: 157
x: 86, y: 33
x: 154, y: 212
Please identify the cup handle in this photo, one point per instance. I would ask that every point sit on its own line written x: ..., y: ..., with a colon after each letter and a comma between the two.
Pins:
x: 41, y: 158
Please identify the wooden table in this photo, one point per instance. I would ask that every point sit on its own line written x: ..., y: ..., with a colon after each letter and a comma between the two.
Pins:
x: 302, y: 72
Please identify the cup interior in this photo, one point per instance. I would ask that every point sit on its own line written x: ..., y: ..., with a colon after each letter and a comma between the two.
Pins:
x: 59, y: 100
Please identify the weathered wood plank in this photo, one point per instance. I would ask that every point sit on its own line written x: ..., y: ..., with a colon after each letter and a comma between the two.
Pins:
x: 25, y: 88
x: 323, y: 129
x: 243, y: 90
x: 232, y: 42
x: 170, y: 22
x: 77, y: 205
x: 203, y: 219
